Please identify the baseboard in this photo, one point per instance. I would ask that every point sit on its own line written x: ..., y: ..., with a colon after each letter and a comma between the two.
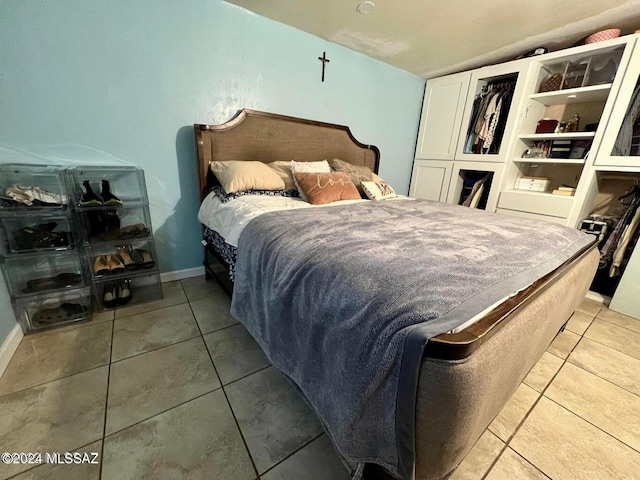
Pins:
x: 9, y: 347
x: 181, y: 274
x: 598, y: 297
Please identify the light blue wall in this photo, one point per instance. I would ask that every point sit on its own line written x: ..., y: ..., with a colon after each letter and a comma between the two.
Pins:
x: 120, y: 80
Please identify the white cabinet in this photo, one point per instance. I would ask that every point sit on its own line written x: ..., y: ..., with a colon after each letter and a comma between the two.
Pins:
x: 444, y: 101
x: 430, y: 179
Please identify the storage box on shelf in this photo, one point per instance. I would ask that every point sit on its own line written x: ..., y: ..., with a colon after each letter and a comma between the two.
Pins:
x: 112, y: 208
x: 42, y: 264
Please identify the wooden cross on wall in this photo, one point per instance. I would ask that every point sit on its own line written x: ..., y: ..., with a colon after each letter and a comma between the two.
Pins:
x: 324, y: 61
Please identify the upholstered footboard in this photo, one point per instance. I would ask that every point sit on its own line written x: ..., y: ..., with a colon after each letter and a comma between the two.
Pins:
x: 457, y: 399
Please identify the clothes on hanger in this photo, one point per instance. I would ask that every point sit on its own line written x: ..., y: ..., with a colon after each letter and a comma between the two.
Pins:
x: 488, y: 118
x: 622, y: 147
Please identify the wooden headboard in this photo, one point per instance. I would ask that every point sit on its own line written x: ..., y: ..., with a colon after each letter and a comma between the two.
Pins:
x: 267, y: 137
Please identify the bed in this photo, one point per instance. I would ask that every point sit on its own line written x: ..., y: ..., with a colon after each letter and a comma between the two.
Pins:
x: 464, y: 375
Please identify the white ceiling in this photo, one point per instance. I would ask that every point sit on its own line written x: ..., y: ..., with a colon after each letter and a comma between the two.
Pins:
x: 434, y: 37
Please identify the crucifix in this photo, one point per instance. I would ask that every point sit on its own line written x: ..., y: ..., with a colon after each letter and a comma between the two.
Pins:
x: 324, y: 61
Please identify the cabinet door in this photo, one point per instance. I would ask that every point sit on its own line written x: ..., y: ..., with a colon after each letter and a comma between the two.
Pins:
x: 444, y: 100
x: 430, y: 179
x: 621, y: 142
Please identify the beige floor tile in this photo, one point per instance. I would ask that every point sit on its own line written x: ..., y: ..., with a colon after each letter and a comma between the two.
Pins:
x: 479, y: 458
x: 82, y: 471
x: 513, y: 412
x: 42, y: 358
x: 199, y: 287
x: 579, y: 322
x: 608, y: 363
x: 620, y: 319
x: 58, y: 416
x: 172, y: 294
x: 563, y: 344
x: 235, y: 353
x: 196, y: 440
x: 590, y: 307
x: 274, y: 419
x: 148, y: 331
x: 598, y: 401
x: 147, y: 384
x: 619, y: 338
x: 511, y: 466
x: 543, y: 371
x: 212, y: 312
x: 564, y: 446
x: 316, y: 461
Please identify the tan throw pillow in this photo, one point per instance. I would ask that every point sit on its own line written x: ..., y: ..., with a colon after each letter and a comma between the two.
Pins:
x: 240, y: 176
x: 320, y: 188
x: 283, y: 169
x: 357, y: 174
x: 378, y: 190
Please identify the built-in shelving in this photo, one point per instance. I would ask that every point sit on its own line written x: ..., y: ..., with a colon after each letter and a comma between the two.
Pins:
x: 593, y: 93
x: 578, y: 161
x: 557, y: 136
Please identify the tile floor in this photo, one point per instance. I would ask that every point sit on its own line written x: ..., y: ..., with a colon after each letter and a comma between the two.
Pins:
x: 177, y: 389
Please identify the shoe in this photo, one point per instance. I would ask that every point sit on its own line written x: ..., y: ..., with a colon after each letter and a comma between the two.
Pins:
x: 60, y: 313
x: 101, y: 266
x: 109, y: 198
x: 110, y: 295
x: 62, y: 280
x: 124, y: 293
x: 114, y: 263
x: 90, y: 198
x: 124, y: 255
x: 134, y: 231
x: 143, y: 258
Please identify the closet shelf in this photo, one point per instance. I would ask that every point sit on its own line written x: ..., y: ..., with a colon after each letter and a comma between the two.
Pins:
x: 561, y: 198
x: 557, y: 136
x: 593, y: 93
x: 578, y: 161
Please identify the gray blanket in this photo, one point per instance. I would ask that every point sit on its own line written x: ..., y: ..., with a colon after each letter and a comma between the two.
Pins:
x: 343, y: 299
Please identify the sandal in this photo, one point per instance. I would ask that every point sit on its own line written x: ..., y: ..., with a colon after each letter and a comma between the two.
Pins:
x: 143, y: 258
x: 61, y: 313
x: 124, y: 256
x: 62, y: 280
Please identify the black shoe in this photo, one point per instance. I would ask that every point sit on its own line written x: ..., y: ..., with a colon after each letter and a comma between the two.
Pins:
x: 110, y: 298
x: 123, y: 295
x: 108, y: 197
x: 89, y: 197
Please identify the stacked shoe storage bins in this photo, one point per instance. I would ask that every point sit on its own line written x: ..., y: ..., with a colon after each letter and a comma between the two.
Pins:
x: 42, y: 260
x: 113, y: 212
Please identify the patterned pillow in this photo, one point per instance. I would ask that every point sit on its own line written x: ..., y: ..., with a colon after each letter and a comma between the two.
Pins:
x: 224, y: 197
x: 357, y: 174
x: 305, y: 167
x: 321, y: 188
x: 378, y: 190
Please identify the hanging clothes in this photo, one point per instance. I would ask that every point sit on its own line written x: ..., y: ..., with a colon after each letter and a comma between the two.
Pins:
x: 622, y: 147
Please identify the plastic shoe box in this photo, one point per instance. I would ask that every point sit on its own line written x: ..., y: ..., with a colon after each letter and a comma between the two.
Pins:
x: 121, y: 224
x: 34, y: 274
x: 43, y: 186
x: 49, y: 311
x: 29, y: 233
x: 93, y: 251
x: 143, y: 287
x: 126, y: 183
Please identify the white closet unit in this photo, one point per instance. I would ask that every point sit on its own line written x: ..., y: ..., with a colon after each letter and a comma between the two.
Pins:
x: 562, y: 134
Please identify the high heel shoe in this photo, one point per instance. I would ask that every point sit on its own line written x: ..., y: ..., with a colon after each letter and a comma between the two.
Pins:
x: 143, y: 258
x: 109, y: 198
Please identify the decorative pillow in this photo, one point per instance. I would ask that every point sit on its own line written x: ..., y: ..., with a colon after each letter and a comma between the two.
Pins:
x: 378, y: 190
x: 357, y: 174
x: 224, y: 197
x: 238, y: 176
x: 283, y: 168
x: 321, y: 188
x: 305, y: 167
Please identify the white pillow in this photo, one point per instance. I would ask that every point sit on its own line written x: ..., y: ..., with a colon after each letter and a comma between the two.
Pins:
x: 308, y: 167
x: 379, y: 190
